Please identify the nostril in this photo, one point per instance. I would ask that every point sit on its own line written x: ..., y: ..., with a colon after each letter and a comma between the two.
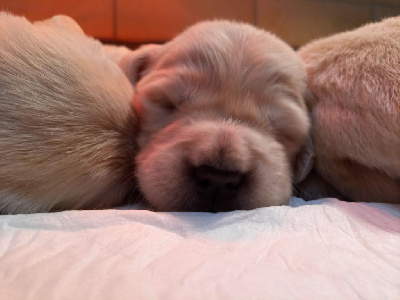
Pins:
x: 234, y: 180
x: 210, y: 179
x: 203, y: 183
x: 232, y: 185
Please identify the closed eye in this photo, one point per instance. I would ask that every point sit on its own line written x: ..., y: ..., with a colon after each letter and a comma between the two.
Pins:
x: 168, y: 105
x: 163, y: 102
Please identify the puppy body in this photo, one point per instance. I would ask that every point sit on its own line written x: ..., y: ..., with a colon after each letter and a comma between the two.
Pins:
x: 354, y: 78
x: 222, y: 118
x: 66, y: 119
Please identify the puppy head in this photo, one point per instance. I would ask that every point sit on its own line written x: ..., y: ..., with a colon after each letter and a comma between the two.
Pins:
x: 66, y: 116
x: 222, y: 118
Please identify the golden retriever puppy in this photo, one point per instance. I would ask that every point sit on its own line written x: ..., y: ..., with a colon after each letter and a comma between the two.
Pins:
x: 221, y: 116
x: 354, y: 78
x: 67, y: 123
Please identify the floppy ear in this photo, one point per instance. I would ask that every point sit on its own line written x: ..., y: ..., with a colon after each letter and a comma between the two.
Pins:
x: 308, y: 183
x: 304, y: 161
x: 116, y: 53
x: 136, y: 64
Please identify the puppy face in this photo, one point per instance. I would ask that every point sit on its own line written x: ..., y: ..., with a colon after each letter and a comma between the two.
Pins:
x: 222, y: 118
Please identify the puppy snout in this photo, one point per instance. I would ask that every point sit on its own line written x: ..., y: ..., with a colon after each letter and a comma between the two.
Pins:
x: 217, y: 183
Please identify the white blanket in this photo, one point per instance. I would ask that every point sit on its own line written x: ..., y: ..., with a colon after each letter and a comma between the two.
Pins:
x: 325, y: 249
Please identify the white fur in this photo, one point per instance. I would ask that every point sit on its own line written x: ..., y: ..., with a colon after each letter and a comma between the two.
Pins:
x: 354, y: 79
x: 66, y: 120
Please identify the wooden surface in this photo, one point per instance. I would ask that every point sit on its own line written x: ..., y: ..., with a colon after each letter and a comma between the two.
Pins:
x: 95, y: 17
x: 300, y: 21
x: 159, y: 20
x: 140, y: 21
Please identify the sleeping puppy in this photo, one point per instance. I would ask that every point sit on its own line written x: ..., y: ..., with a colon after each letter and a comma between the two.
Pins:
x: 67, y: 124
x: 354, y: 78
x: 221, y: 115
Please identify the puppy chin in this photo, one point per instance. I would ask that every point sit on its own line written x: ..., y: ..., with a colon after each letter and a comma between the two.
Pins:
x: 213, y: 166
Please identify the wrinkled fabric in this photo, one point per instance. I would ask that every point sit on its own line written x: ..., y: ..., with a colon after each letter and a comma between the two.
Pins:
x: 324, y: 249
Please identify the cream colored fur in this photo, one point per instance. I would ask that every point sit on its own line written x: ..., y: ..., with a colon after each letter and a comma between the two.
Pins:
x: 354, y: 78
x: 67, y: 124
x: 224, y: 96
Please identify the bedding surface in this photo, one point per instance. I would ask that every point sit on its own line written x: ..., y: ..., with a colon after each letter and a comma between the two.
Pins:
x: 324, y: 249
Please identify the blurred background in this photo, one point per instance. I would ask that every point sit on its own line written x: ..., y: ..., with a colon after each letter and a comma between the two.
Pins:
x: 142, y: 21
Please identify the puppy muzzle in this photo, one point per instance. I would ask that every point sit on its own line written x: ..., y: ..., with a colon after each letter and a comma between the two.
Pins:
x: 213, y: 166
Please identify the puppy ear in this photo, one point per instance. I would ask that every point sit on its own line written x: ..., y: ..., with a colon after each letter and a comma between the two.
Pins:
x: 304, y: 161
x: 116, y: 53
x: 136, y: 64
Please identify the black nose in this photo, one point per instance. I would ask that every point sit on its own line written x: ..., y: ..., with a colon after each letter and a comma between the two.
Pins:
x: 216, y: 183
